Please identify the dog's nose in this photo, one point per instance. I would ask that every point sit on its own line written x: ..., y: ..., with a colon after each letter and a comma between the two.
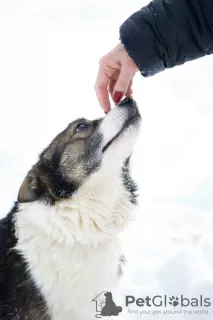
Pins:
x: 127, y: 101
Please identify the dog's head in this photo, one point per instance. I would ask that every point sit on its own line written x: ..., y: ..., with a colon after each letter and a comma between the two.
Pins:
x: 108, y: 295
x: 86, y: 151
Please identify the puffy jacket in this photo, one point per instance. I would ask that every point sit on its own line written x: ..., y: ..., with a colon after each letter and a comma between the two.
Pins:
x: 168, y: 33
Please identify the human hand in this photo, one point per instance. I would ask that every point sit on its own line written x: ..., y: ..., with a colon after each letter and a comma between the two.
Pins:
x: 116, y: 71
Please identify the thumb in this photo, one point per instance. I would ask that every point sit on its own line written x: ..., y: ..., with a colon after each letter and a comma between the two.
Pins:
x: 122, y: 84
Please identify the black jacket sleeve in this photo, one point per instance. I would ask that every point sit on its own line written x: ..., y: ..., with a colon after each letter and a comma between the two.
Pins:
x: 168, y: 33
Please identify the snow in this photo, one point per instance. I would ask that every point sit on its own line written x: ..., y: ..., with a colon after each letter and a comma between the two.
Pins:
x: 49, y: 53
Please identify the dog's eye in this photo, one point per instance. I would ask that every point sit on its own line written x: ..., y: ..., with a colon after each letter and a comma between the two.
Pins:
x: 81, y: 127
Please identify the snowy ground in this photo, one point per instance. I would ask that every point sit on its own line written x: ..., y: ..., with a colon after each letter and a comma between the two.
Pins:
x: 49, y: 52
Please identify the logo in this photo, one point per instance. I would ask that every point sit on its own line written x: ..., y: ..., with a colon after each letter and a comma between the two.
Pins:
x: 174, y: 301
x: 165, y: 301
x: 105, y: 305
x: 151, y: 305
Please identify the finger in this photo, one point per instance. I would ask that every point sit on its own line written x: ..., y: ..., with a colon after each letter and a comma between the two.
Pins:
x: 111, y: 87
x: 122, y: 84
x: 129, y: 92
x: 101, y: 88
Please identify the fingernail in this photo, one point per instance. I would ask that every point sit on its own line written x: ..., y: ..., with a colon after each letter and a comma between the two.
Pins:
x: 117, y: 96
x: 107, y: 110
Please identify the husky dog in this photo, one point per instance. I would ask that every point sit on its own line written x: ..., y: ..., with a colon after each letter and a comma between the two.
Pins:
x: 59, y: 245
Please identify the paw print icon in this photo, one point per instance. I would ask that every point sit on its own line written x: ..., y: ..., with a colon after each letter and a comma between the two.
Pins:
x: 174, y: 301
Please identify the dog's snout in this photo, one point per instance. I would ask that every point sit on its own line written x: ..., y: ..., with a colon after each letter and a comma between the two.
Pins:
x: 127, y: 101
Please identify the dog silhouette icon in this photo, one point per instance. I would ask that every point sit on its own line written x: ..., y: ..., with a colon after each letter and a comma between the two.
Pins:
x: 110, y: 308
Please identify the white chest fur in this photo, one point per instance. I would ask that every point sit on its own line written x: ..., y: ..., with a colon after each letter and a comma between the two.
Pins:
x: 73, y: 248
x: 71, y: 277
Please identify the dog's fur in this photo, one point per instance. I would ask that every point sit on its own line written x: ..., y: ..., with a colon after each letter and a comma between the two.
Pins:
x: 59, y: 245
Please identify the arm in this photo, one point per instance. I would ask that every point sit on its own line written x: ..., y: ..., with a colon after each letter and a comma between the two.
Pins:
x: 168, y: 33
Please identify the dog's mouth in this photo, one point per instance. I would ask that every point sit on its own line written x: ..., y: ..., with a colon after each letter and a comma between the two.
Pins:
x: 126, y: 125
x: 111, y: 141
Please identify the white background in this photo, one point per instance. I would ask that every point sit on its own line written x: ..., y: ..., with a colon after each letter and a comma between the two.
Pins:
x: 49, y: 53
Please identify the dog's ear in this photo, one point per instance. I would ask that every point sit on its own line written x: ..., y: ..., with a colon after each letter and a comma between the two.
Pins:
x: 31, y: 188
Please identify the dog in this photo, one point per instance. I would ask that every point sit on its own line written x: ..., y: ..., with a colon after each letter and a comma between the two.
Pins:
x: 110, y: 308
x: 59, y: 245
